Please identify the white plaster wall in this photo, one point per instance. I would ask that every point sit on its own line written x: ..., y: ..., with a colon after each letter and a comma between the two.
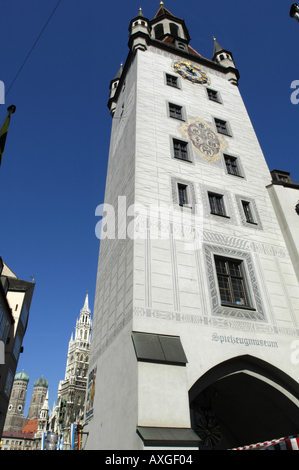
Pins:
x: 115, y: 406
x: 162, y: 396
x: 284, y: 201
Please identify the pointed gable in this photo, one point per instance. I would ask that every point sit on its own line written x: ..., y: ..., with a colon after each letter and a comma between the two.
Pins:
x: 162, y: 11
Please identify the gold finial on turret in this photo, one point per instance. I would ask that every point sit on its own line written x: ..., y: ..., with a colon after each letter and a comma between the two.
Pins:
x: 161, y: 4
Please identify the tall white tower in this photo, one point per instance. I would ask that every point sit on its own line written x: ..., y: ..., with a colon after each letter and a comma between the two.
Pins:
x: 71, y: 391
x: 196, y: 317
x: 79, y: 347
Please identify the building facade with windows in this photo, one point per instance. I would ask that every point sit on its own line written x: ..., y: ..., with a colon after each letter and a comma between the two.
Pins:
x: 196, y: 316
x: 15, y: 301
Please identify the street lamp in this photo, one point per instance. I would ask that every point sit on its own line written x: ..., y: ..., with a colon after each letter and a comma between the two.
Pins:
x: 294, y: 12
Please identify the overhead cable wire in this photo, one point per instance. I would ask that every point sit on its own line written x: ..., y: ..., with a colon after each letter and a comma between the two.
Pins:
x: 33, y: 47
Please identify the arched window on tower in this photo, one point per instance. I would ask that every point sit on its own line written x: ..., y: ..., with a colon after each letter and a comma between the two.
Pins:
x: 159, y: 31
x: 174, y: 29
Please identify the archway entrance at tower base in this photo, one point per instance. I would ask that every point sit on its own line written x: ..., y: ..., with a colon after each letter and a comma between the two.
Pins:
x: 243, y: 401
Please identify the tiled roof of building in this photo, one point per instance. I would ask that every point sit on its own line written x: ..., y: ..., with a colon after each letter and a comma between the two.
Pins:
x: 17, y: 435
x: 30, y: 427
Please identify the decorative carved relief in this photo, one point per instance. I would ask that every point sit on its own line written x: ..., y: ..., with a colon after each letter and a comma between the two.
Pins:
x: 206, y: 143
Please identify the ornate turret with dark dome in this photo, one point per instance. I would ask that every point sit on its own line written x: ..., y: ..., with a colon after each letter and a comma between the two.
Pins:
x: 21, y: 376
x: 41, y: 383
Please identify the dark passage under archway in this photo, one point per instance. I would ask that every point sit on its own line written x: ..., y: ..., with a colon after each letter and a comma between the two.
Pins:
x: 242, y: 402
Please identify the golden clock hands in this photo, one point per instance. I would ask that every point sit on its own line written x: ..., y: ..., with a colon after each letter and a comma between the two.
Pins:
x: 190, y: 69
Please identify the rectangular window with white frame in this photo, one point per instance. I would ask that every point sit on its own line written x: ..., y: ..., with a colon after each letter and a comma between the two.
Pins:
x: 180, y: 150
x: 175, y: 111
x: 223, y: 127
x: 172, y: 81
x: 232, y: 165
x: 214, y: 95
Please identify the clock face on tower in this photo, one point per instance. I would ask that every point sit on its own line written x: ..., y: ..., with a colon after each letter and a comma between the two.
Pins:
x: 191, y: 72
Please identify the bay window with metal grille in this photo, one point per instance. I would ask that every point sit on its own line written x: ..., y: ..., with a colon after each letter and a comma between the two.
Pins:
x: 231, y: 282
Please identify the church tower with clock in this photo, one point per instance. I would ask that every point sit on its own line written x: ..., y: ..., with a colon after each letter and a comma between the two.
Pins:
x: 196, y: 314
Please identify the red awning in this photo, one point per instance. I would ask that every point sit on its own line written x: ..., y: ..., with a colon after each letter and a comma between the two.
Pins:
x: 285, y: 443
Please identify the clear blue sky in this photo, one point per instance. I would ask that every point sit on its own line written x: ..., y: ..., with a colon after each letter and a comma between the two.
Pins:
x: 53, y: 172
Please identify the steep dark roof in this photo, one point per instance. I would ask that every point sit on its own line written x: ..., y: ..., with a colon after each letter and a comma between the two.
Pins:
x: 162, y: 11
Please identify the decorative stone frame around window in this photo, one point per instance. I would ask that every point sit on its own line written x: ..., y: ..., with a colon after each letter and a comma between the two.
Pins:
x: 256, y: 310
x: 257, y: 224
x: 191, y: 195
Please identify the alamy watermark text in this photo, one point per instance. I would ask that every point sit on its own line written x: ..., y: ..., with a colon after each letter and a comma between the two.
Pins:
x: 295, y: 94
x: 2, y: 353
x: 2, y: 93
